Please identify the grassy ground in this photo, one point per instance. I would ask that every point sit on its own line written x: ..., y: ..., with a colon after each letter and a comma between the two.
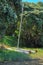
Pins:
x: 8, y: 40
x: 12, y: 55
x: 8, y: 55
x: 39, y: 53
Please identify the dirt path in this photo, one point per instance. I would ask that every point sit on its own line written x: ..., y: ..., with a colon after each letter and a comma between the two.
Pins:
x: 29, y: 62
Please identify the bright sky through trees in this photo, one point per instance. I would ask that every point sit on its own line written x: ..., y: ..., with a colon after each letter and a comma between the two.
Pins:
x: 32, y: 0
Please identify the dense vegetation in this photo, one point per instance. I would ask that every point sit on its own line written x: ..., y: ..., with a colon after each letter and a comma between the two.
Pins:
x: 32, y: 25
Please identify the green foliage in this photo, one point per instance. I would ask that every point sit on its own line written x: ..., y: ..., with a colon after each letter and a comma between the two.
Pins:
x: 32, y: 25
x: 10, y: 40
x: 8, y: 15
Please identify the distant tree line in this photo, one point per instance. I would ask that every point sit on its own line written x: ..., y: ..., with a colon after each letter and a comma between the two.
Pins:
x: 32, y: 25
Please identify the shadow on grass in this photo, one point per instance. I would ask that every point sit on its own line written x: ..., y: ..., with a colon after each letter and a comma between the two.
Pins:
x: 6, y: 55
x: 15, y: 58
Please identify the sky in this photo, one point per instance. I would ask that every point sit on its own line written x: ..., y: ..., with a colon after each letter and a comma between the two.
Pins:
x: 32, y: 1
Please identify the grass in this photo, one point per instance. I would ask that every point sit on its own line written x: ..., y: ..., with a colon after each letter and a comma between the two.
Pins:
x: 8, y: 41
x: 39, y: 53
x: 11, y: 55
x: 7, y: 55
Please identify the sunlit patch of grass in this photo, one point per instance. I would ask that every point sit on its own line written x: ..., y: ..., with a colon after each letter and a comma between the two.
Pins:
x: 12, y: 55
x: 39, y: 53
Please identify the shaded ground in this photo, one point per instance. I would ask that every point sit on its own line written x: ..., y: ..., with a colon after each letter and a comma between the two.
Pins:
x: 29, y: 62
x: 12, y: 54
